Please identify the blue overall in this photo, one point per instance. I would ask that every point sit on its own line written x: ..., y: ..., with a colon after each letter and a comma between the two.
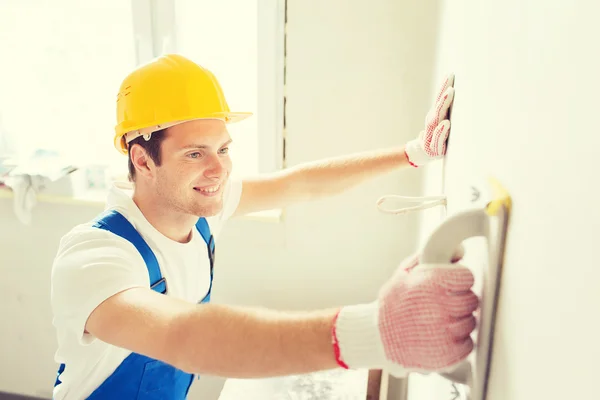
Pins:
x: 138, y: 376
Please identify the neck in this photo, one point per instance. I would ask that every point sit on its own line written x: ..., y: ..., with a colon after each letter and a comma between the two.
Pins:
x: 174, y: 225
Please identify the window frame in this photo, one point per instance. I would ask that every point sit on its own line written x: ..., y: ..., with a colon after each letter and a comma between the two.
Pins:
x: 154, y: 34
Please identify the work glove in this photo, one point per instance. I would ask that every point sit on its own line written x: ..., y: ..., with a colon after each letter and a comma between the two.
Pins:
x: 421, y: 322
x: 431, y: 142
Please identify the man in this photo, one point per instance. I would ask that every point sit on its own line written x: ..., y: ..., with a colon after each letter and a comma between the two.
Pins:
x: 126, y: 286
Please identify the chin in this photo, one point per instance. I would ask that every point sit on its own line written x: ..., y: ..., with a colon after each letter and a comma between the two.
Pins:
x: 208, y: 210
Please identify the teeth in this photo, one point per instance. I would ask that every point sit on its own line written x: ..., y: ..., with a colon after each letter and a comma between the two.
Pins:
x: 211, y: 189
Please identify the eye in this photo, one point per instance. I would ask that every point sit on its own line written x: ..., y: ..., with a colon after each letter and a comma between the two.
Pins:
x: 195, y: 154
x: 224, y: 150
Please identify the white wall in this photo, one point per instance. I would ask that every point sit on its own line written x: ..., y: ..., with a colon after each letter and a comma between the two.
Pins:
x: 358, y: 78
x: 525, y: 110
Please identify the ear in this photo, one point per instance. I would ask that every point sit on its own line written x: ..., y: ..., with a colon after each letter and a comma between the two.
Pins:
x: 140, y: 160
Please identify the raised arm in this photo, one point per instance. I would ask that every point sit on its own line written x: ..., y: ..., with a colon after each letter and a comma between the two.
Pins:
x: 327, y: 177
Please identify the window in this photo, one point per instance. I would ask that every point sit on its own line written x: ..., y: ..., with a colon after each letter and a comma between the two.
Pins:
x: 241, y: 41
x: 64, y: 61
x: 61, y: 66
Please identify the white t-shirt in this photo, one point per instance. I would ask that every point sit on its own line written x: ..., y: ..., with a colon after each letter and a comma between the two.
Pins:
x: 93, y: 264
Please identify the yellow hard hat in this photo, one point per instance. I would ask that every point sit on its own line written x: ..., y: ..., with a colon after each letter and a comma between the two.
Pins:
x: 164, y: 92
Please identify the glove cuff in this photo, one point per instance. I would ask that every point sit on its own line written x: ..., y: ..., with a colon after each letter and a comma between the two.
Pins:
x: 356, y: 338
x: 415, y: 154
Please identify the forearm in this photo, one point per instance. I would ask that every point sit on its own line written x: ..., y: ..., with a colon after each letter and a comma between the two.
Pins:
x: 334, y: 175
x: 250, y: 343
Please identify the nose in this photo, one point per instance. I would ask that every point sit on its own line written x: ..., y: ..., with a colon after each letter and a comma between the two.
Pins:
x: 215, y: 168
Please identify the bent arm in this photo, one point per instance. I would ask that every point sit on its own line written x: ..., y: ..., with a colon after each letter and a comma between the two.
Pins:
x: 215, y: 339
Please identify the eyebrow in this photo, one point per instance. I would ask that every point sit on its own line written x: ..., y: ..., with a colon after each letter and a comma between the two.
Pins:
x: 203, y: 146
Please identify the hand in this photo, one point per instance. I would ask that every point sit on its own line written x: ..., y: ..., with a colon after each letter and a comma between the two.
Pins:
x: 421, y: 322
x: 431, y: 142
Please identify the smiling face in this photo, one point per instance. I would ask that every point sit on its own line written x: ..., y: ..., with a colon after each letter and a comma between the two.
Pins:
x: 193, y: 170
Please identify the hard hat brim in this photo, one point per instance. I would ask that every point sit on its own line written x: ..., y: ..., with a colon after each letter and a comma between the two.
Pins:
x: 121, y: 142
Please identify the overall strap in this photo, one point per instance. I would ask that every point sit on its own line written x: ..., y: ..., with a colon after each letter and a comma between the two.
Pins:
x: 116, y: 223
x: 204, y: 229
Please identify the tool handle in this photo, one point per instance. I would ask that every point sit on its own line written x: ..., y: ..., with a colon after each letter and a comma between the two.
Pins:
x: 448, y: 236
x: 440, y: 247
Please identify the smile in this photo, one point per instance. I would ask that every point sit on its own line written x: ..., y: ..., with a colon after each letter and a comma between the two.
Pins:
x: 208, y: 190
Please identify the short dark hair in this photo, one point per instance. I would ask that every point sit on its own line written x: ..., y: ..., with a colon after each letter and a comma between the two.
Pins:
x: 152, y: 147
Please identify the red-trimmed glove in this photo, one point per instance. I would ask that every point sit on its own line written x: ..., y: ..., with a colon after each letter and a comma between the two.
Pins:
x: 421, y: 322
x: 431, y: 142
